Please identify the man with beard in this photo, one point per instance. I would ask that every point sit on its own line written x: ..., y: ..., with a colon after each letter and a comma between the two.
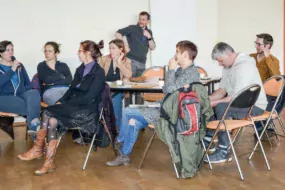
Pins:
x: 140, y: 40
x: 266, y: 63
x: 267, y: 66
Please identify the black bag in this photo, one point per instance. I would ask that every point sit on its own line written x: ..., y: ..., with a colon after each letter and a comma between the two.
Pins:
x: 102, y: 139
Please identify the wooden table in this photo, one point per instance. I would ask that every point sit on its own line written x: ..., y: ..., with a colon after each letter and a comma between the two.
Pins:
x: 156, y: 89
x: 210, y: 83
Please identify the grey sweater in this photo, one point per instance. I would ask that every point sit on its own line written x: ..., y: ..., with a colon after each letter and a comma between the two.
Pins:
x: 173, y: 81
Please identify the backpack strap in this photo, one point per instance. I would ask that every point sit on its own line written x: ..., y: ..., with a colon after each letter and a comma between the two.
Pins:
x: 189, y: 89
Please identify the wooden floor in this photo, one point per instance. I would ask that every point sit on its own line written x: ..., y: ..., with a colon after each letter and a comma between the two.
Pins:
x: 157, y: 172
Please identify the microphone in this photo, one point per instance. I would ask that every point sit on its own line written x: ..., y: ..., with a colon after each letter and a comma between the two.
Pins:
x: 13, y: 58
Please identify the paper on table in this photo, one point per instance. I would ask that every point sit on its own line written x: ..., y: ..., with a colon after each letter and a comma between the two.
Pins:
x: 144, y: 106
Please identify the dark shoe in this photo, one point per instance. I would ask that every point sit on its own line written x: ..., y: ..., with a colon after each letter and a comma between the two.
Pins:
x: 212, y: 148
x: 37, y: 150
x: 119, y: 160
x: 49, y: 165
x: 219, y: 156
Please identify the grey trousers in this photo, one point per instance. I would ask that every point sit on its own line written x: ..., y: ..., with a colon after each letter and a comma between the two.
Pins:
x: 137, y: 68
x: 52, y: 95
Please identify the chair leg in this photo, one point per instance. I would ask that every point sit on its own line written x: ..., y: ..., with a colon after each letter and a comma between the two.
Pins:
x: 234, y: 153
x: 235, y: 139
x: 208, y: 148
x: 175, y: 169
x: 146, y: 149
x: 281, y: 124
x: 204, y: 148
x: 276, y: 134
x: 263, y: 152
x: 266, y: 134
x: 89, y: 151
x: 59, y: 140
x: 82, y: 140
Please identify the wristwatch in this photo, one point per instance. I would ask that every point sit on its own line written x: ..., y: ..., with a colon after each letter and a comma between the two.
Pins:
x: 149, y: 39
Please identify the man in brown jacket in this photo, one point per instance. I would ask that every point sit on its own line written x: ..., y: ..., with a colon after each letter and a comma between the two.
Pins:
x: 266, y: 63
x: 267, y: 66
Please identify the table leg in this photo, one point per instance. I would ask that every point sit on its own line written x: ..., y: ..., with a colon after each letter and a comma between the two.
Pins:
x: 138, y: 98
x: 213, y: 87
x: 209, y: 89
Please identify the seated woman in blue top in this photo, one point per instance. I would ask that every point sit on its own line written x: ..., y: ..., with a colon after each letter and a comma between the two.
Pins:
x: 16, y: 95
x: 54, y: 76
x: 77, y: 108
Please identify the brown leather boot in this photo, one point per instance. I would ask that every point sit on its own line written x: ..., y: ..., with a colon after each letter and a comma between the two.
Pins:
x: 49, y: 159
x: 37, y: 150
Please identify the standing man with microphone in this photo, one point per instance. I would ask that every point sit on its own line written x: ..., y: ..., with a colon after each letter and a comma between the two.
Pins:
x: 139, y: 41
x: 16, y: 95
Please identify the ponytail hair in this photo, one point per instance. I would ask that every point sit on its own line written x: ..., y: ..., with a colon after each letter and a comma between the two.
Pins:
x: 94, y: 48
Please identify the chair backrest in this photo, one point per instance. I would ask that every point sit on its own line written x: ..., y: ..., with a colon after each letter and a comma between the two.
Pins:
x: 274, y: 86
x: 202, y: 71
x: 245, y: 98
x: 155, y: 71
x: 36, y: 83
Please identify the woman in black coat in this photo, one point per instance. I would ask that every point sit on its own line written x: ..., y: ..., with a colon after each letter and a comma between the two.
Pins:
x: 77, y: 108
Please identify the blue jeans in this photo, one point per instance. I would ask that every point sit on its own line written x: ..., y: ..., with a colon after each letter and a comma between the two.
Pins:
x: 118, y: 107
x: 129, y: 133
x: 25, y: 104
x: 235, y: 113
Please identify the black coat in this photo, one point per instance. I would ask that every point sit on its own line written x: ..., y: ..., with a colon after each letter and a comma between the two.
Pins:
x: 79, y: 106
x: 61, y: 76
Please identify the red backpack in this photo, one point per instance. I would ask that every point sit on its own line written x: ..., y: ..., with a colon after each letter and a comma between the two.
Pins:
x: 189, y: 112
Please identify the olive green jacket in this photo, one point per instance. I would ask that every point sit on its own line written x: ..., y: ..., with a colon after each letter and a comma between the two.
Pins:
x: 190, y: 145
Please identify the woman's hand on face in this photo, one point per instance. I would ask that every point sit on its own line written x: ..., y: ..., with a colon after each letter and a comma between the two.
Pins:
x: 15, y: 65
x: 120, y: 59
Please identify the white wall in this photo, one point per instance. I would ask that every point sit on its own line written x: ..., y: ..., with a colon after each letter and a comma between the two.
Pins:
x: 31, y: 23
x: 207, y: 30
x: 206, y: 22
x: 241, y: 20
x: 171, y: 24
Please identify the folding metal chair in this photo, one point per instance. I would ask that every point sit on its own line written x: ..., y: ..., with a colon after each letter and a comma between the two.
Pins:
x: 102, y: 120
x: 246, y: 98
x: 273, y: 87
x: 174, y: 165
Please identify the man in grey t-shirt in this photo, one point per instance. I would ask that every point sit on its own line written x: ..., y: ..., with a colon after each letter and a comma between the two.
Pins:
x: 140, y: 40
x: 239, y: 72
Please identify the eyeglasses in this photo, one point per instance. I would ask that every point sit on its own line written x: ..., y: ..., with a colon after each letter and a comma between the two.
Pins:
x: 48, y: 51
x: 258, y: 44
